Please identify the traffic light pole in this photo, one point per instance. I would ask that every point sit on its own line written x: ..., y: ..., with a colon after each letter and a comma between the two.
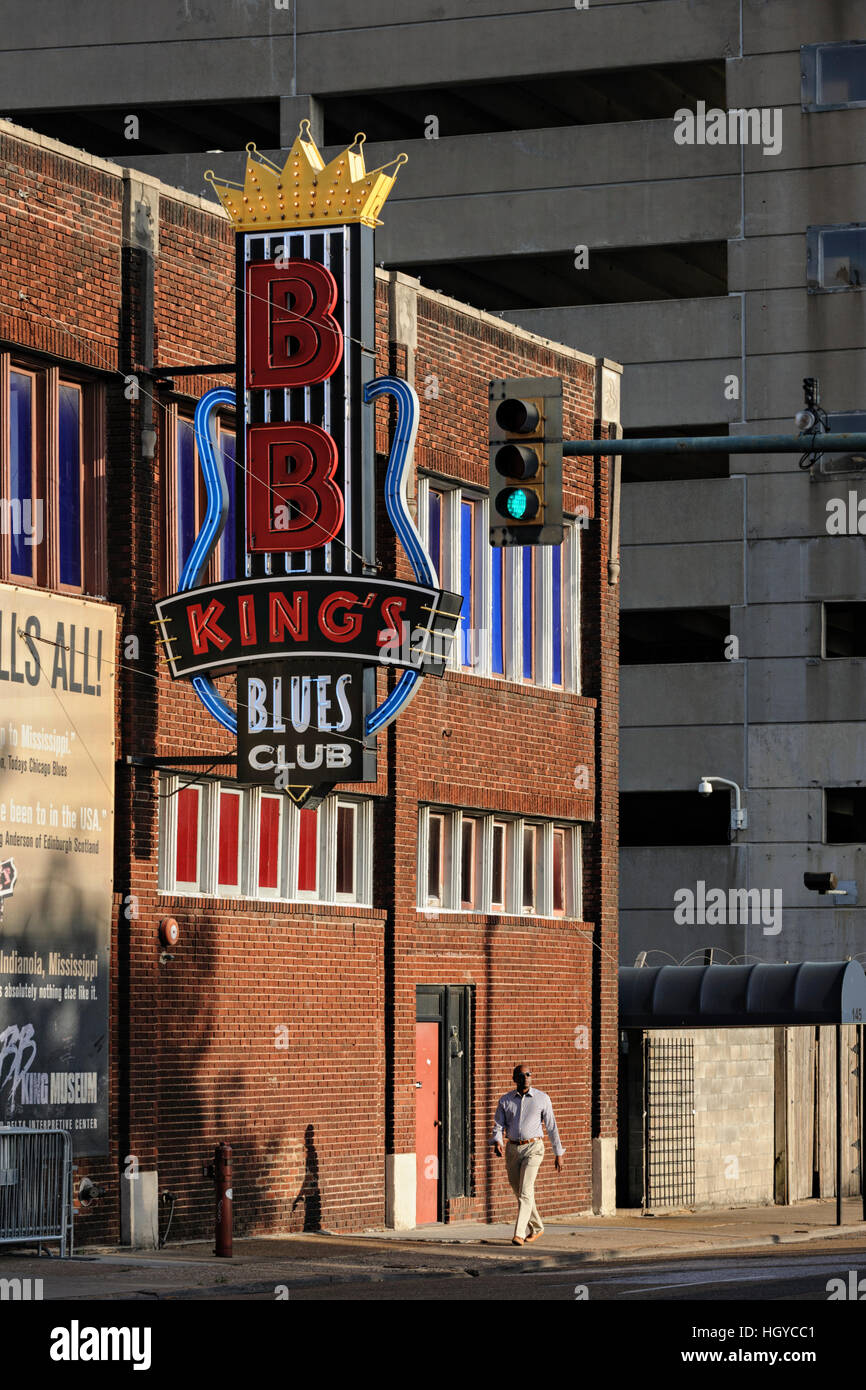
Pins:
x: 720, y: 444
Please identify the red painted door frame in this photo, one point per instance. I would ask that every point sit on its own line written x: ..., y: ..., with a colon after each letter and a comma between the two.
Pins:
x: 427, y: 1122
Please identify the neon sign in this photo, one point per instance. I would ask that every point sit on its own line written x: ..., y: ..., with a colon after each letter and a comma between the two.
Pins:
x: 311, y: 619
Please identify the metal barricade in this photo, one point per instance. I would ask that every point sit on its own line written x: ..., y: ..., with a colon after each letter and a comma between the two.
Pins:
x: 36, y: 1187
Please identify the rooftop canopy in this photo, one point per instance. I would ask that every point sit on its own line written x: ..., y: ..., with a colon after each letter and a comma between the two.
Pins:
x: 741, y: 996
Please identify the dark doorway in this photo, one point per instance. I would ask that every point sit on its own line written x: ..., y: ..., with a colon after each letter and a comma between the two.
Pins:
x: 444, y: 1033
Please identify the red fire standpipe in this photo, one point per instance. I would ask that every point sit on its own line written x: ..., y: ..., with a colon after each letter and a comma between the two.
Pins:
x: 222, y: 1169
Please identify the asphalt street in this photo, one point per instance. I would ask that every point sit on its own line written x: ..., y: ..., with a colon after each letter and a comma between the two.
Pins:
x: 750, y: 1278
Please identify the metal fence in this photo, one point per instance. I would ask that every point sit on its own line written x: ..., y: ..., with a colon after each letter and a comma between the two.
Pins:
x: 36, y: 1187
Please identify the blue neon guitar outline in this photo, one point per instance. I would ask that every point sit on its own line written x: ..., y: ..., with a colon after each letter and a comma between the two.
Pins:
x: 396, y: 506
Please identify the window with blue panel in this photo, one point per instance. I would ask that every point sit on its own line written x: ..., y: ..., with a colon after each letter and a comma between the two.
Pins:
x: 21, y: 468
x: 69, y: 518
x: 434, y: 530
x: 467, y: 531
x: 187, y: 510
x: 556, y: 564
x: 227, y: 544
x: 497, y: 613
x: 528, y: 612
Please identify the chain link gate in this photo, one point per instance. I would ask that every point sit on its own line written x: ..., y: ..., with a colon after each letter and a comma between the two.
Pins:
x: 669, y: 1122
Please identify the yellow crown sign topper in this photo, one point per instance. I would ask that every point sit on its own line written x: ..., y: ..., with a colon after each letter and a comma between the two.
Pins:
x: 307, y: 192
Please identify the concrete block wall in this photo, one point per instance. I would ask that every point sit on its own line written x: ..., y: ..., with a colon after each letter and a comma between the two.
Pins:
x: 734, y: 1133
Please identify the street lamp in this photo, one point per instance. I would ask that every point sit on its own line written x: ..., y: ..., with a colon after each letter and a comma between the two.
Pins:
x: 739, y: 815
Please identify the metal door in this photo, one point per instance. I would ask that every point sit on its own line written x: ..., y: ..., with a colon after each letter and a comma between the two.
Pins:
x: 669, y: 1143
x: 427, y: 1126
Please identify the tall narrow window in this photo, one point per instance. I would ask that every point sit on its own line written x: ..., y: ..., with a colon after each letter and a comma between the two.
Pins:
x: 468, y: 863
x: 187, y: 500
x: 530, y: 868
x: 192, y: 503
x: 497, y: 611
x: 22, y: 407
x: 227, y: 542
x: 467, y: 586
x: 434, y: 529
x: 269, y: 845
x: 435, y: 861
x: 528, y: 613
x: 556, y: 624
x: 346, y: 817
x: 228, y: 862
x: 560, y: 871
x: 186, y: 861
x: 308, y: 851
x: 497, y: 889
x: 70, y: 511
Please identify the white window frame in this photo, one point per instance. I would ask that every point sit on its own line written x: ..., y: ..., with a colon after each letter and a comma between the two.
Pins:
x: 191, y: 886
x: 280, y: 890
x: 538, y: 842
x: 221, y: 889
x: 344, y: 803
x: 512, y: 557
x: 497, y: 906
x: 452, y: 839
x: 250, y: 811
x: 305, y: 895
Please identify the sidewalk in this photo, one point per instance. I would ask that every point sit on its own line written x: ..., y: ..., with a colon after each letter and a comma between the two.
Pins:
x: 630, y: 1235
x: 270, y: 1267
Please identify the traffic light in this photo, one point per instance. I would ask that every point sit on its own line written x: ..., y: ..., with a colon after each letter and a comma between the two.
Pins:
x: 526, y: 461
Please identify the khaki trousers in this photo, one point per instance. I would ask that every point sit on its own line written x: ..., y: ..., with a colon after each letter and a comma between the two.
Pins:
x: 522, y: 1162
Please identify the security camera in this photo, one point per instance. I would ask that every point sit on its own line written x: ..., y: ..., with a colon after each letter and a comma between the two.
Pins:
x: 805, y: 420
x: 705, y: 787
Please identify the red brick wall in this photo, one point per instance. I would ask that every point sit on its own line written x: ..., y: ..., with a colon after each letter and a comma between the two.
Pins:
x: 193, y: 1055
x: 532, y: 980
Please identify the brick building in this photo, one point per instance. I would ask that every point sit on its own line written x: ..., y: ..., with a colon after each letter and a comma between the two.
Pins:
x: 458, y: 914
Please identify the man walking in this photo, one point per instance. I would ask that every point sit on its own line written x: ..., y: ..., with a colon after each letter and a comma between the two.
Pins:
x: 521, y: 1114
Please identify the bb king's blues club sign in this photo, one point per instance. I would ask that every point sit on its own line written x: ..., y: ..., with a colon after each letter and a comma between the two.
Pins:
x: 311, y: 619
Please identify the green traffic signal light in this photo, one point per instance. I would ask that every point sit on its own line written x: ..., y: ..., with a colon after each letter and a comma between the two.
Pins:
x: 518, y: 503
x: 525, y: 460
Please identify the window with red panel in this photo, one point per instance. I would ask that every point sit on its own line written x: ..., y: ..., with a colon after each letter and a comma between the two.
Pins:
x: 269, y: 844
x: 228, y: 858
x: 188, y: 812
x: 308, y: 852
x: 345, y: 879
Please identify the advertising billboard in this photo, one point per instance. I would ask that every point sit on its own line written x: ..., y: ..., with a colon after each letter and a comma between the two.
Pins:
x: 57, y: 751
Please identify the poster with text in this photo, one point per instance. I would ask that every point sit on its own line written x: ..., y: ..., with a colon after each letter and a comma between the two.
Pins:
x: 57, y: 751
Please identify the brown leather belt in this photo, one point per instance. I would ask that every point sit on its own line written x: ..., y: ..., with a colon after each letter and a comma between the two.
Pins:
x: 525, y: 1141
